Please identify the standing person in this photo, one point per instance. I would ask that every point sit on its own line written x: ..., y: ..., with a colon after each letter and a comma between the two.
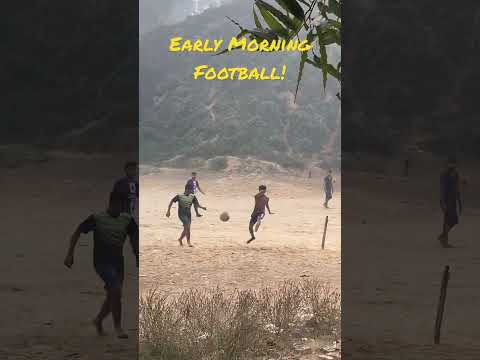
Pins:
x: 110, y: 229
x: 261, y: 202
x: 193, y: 184
x: 127, y: 186
x: 185, y: 202
x: 450, y: 197
x: 328, y: 188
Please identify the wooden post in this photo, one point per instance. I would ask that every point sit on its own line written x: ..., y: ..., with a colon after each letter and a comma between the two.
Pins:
x: 441, y: 304
x: 324, y: 232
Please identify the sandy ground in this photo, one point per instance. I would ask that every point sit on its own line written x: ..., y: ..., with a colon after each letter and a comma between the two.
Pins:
x: 391, y: 261
x: 392, y: 266
x: 288, y: 244
x: 46, y: 307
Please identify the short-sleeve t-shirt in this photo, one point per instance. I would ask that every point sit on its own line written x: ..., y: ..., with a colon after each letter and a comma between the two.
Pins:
x: 129, y: 188
x: 192, y: 185
x: 185, y: 202
x: 109, y: 235
x: 328, y: 180
x: 449, y: 187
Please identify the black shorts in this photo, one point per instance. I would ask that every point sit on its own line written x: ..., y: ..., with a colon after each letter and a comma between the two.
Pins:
x: 256, y: 217
x: 451, y: 216
x: 112, y: 274
x: 328, y: 195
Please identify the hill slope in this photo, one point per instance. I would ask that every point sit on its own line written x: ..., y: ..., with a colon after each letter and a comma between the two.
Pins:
x: 180, y: 116
x: 63, y: 88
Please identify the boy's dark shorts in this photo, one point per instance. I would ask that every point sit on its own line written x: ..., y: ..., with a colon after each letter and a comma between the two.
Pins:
x: 328, y: 195
x: 111, y: 274
x: 451, y: 216
x: 185, y: 217
x: 256, y: 217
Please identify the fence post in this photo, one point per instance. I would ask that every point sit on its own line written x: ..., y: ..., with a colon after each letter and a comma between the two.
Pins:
x: 441, y: 304
x: 324, y: 232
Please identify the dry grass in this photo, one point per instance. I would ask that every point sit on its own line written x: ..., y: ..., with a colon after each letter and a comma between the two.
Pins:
x: 215, y: 324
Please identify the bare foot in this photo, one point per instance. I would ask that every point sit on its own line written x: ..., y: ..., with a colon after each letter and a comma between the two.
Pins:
x: 99, y: 327
x: 190, y: 245
x: 121, y: 334
x: 180, y: 242
x: 249, y: 241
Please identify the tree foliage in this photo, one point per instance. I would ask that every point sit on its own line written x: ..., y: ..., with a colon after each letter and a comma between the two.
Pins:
x: 317, y: 21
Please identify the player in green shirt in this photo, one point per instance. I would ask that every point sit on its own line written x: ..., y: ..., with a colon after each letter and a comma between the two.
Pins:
x: 110, y: 229
x: 185, y: 202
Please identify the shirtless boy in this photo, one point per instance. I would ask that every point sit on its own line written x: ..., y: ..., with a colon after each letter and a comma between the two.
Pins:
x: 261, y: 202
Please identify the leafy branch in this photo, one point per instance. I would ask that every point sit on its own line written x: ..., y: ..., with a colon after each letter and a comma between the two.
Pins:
x: 317, y: 21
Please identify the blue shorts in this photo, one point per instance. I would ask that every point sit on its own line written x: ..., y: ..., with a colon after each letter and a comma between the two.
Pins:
x: 111, y: 274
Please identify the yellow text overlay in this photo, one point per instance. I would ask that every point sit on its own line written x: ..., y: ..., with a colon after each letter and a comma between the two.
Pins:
x: 206, y: 72
x: 239, y: 73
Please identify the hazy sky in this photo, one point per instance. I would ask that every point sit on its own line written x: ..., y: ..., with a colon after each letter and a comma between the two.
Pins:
x: 161, y: 12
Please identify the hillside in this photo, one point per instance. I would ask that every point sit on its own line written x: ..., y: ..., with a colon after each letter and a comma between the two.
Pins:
x: 197, y: 119
x: 63, y: 88
x: 411, y: 80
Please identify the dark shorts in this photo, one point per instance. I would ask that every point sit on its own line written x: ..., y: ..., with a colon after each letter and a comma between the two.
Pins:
x: 451, y: 216
x: 256, y: 217
x: 111, y: 274
x: 185, y: 217
x: 328, y: 195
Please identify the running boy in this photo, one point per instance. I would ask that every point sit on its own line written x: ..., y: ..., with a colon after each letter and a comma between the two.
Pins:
x: 185, y: 202
x: 261, y: 202
x: 449, y: 198
x: 110, y: 229
x: 328, y: 188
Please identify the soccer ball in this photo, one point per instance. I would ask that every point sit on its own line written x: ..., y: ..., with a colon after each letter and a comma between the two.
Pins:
x: 224, y: 216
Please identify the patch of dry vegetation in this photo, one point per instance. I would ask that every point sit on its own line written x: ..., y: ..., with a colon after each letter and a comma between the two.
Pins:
x: 243, y: 324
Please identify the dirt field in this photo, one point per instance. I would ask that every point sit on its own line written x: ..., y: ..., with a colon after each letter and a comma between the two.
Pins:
x: 288, y: 244
x: 392, y: 267
x: 47, y: 308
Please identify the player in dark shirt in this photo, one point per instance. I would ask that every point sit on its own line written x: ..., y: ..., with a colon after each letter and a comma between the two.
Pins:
x: 261, y: 202
x: 110, y: 229
x: 185, y: 202
x: 449, y: 198
x: 128, y: 187
x: 328, y: 188
x: 193, y: 185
